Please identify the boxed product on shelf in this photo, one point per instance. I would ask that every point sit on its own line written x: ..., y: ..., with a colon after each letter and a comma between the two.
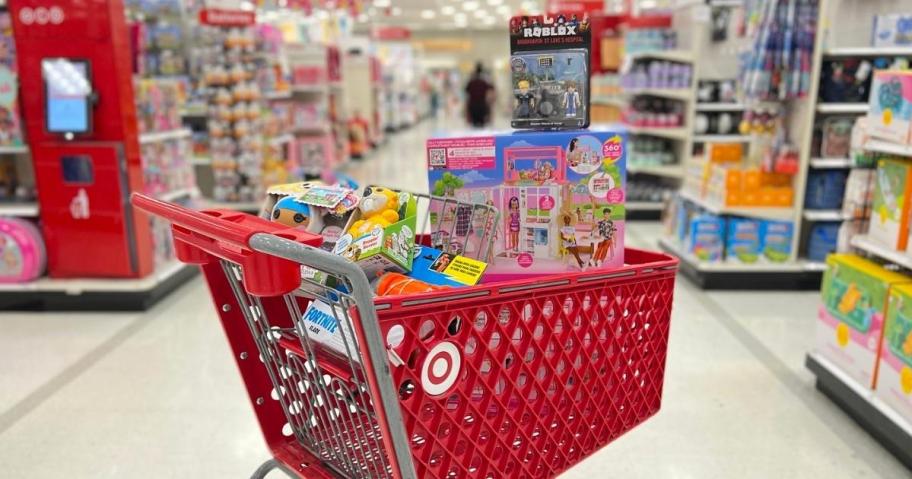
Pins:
x: 836, y: 137
x: 824, y: 190
x: 859, y: 194
x: 823, y: 239
x: 777, y: 238
x: 894, y: 371
x: 706, y: 238
x: 892, y: 30
x: 158, y: 104
x: 850, y: 320
x: 743, y: 241
x: 729, y: 185
x: 891, y: 205
x: 560, y: 195
x: 10, y: 123
x: 890, y: 106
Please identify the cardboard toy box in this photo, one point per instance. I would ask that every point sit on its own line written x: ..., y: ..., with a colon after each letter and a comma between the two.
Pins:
x: 445, y: 269
x: 560, y: 195
x: 383, y: 249
x: 776, y: 240
x: 894, y: 370
x: 890, y: 106
x: 891, y: 204
x: 850, y: 321
x: 706, y: 239
x: 743, y: 242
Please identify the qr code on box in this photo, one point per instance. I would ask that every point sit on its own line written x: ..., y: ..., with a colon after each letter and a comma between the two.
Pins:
x: 437, y: 157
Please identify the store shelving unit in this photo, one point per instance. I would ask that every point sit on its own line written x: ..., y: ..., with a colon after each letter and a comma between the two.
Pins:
x: 880, y: 421
x: 874, y: 248
x: 746, y: 211
x: 668, y: 171
x: 722, y: 138
x: 822, y: 163
x: 168, y: 135
x: 713, y: 107
x: 25, y: 210
x: 842, y: 108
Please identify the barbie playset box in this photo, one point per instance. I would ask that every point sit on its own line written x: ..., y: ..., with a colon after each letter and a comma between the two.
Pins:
x: 560, y: 195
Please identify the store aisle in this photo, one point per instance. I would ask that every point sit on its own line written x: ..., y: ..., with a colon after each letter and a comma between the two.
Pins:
x: 156, y: 394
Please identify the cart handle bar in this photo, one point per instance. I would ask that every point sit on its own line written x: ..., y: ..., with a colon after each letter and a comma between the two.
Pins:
x: 201, y: 237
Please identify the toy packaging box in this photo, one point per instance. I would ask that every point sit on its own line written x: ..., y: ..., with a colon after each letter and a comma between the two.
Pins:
x: 850, y: 321
x: 776, y: 240
x: 560, y: 195
x: 706, y: 240
x: 549, y: 61
x: 890, y: 106
x: 894, y: 370
x: 891, y: 204
x: 445, y: 269
x: 388, y: 248
x: 311, y: 206
x: 743, y: 242
x: 892, y: 30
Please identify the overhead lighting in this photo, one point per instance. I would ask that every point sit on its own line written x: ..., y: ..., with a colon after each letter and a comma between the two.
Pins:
x: 529, y: 6
x: 647, y: 4
x: 460, y: 18
x: 480, y: 14
x: 428, y: 14
x: 396, y: 11
x: 382, y: 3
x: 494, y: 3
x: 489, y: 21
x: 468, y: 6
x: 362, y: 18
x: 447, y: 10
x: 503, y: 10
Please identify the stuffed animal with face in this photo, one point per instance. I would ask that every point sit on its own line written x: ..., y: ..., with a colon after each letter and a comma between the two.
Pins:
x: 379, y: 207
x: 291, y: 212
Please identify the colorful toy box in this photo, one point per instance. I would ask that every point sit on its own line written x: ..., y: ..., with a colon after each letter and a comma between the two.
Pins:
x: 706, y: 240
x: 894, y: 370
x: 891, y: 204
x: 892, y: 30
x: 776, y: 240
x: 890, y: 106
x: 850, y: 321
x: 445, y: 269
x: 742, y: 243
x: 560, y: 195
x: 380, y: 249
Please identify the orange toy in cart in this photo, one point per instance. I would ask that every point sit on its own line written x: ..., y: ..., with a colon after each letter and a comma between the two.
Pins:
x: 391, y: 284
x: 514, y: 379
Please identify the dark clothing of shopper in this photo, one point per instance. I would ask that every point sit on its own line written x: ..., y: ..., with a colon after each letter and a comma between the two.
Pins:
x: 478, y: 103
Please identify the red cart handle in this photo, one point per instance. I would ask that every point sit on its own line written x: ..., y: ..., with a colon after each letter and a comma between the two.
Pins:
x: 201, y: 237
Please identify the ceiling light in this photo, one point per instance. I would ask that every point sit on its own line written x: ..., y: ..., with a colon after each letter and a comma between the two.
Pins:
x: 428, y: 14
x: 503, y: 10
x: 460, y: 18
x: 382, y: 3
x: 480, y: 14
x: 529, y: 6
x: 396, y: 11
x: 489, y: 21
x: 467, y: 6
x: 494, y: 2
x: 447, y: 10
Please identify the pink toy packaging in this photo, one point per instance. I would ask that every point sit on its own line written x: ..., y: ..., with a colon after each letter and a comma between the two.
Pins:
x: 560, y: 195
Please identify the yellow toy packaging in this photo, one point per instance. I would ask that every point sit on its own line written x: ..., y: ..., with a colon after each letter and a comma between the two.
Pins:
x: 850, y: 321
x: 894, y: 371
x: 380, y: 235
x: 891, y: 204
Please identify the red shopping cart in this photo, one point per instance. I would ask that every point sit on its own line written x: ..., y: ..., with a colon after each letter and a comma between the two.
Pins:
x: 518, y: 379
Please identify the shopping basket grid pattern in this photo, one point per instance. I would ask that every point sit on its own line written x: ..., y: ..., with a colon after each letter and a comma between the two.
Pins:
x: 518, y: 379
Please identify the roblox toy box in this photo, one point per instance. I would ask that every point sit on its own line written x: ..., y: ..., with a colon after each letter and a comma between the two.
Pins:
x: 560, y: 195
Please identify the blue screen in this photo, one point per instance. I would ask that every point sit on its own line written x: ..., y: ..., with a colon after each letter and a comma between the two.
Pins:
x: 68, y: 94
x: 67, y: 115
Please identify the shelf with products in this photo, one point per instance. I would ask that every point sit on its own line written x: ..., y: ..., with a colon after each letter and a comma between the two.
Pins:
x: 886, y: 51
x: 666, y: 171
x: 722, y: 138
x: 825, y: 215
x: 671, y: 133
x: 681, y: 94
x: 826, y: 163
x: 842, y: 108
x: 14, y: 150
x: 888, y: 148
x: 11, y: 208
x: 763, y: 212
x: 167, y: 135
x: 719, y: 106
x: 873, y: 247
x: 679, y: 56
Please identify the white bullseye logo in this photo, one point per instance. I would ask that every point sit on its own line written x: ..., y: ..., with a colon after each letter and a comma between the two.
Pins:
x: 440, y: 369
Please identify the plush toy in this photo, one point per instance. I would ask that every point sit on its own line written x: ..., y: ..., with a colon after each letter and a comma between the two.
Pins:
x: 379, y: 207
x: 291, y: 212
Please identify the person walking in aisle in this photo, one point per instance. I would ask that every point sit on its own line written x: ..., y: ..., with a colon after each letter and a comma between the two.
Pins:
x: 480, y: 95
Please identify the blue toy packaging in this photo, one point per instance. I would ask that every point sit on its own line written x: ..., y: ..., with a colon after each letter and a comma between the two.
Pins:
x: 549, y: 59
x: 445, y: 269
x: 560, y: 195
x: 742, y: 244
x: 777, y: 240
x: 706, y: 240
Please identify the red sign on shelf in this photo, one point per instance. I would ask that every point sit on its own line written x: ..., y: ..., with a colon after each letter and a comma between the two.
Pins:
x: 574, y: 6
x: 392, y: 33
x: 227, y: 18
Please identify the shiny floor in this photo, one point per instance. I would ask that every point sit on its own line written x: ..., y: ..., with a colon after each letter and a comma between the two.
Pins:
x: 157, y: 395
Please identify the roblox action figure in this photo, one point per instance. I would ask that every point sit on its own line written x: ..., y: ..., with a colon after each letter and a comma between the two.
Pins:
x: 572, y: 100
x: 525, y: 101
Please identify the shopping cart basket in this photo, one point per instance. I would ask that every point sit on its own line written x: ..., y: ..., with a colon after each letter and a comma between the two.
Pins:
x: 518, y: 379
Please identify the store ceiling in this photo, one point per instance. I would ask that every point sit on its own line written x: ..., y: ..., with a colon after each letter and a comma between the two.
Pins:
x: 447, y: 14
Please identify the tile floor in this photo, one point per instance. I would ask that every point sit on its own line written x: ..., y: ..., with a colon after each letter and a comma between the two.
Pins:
x: 156, y: 394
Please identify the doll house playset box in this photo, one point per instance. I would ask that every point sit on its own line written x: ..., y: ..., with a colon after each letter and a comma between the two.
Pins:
x: 560, y: 195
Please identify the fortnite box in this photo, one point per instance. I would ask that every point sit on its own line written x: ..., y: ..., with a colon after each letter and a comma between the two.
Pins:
x: 560, y: 195
x: 850, y: 320
x: 894, y: 372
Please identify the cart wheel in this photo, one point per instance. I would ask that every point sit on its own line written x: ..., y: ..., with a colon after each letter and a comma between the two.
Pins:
x: 266, y: 468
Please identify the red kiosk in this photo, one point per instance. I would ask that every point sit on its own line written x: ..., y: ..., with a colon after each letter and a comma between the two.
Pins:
x: 80, y: 118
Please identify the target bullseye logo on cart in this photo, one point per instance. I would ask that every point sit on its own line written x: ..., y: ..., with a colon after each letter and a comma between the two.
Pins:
x: 440, y: 369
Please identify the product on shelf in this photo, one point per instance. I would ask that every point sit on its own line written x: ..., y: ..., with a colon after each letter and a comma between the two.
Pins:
x: 662, y: 74
x: 728, y: 185
x: 560, y: 195
x: 890, y: 106
x: 654, y: 112
x: 777, y: 238
x: 23, y: 257
x: 706, y: 238
x: 836, y: 137
x: 892, y: 30
x: 824, y: 189
x: 550, y: 72
x: 846, y: 80
x: 743, y: 244
x: 894, y: 371
x: 649, y: 151
x: 823, y: 239
x: 637, y: 40
x: 166, y: 166
x: 859, y: 154
x: 158, y: 104
x: 10, y: 124
x: 716, y: 91
x: 859, y: 194
x: 891, y: 205
x: 725, y: 123
x: 850, y: 321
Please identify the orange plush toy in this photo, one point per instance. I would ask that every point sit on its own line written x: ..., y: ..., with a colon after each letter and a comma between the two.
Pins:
x: 379, y: 207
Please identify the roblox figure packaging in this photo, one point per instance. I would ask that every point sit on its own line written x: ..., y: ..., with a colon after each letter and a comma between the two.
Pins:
x: 549, y: 59
x: 560, y: 195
